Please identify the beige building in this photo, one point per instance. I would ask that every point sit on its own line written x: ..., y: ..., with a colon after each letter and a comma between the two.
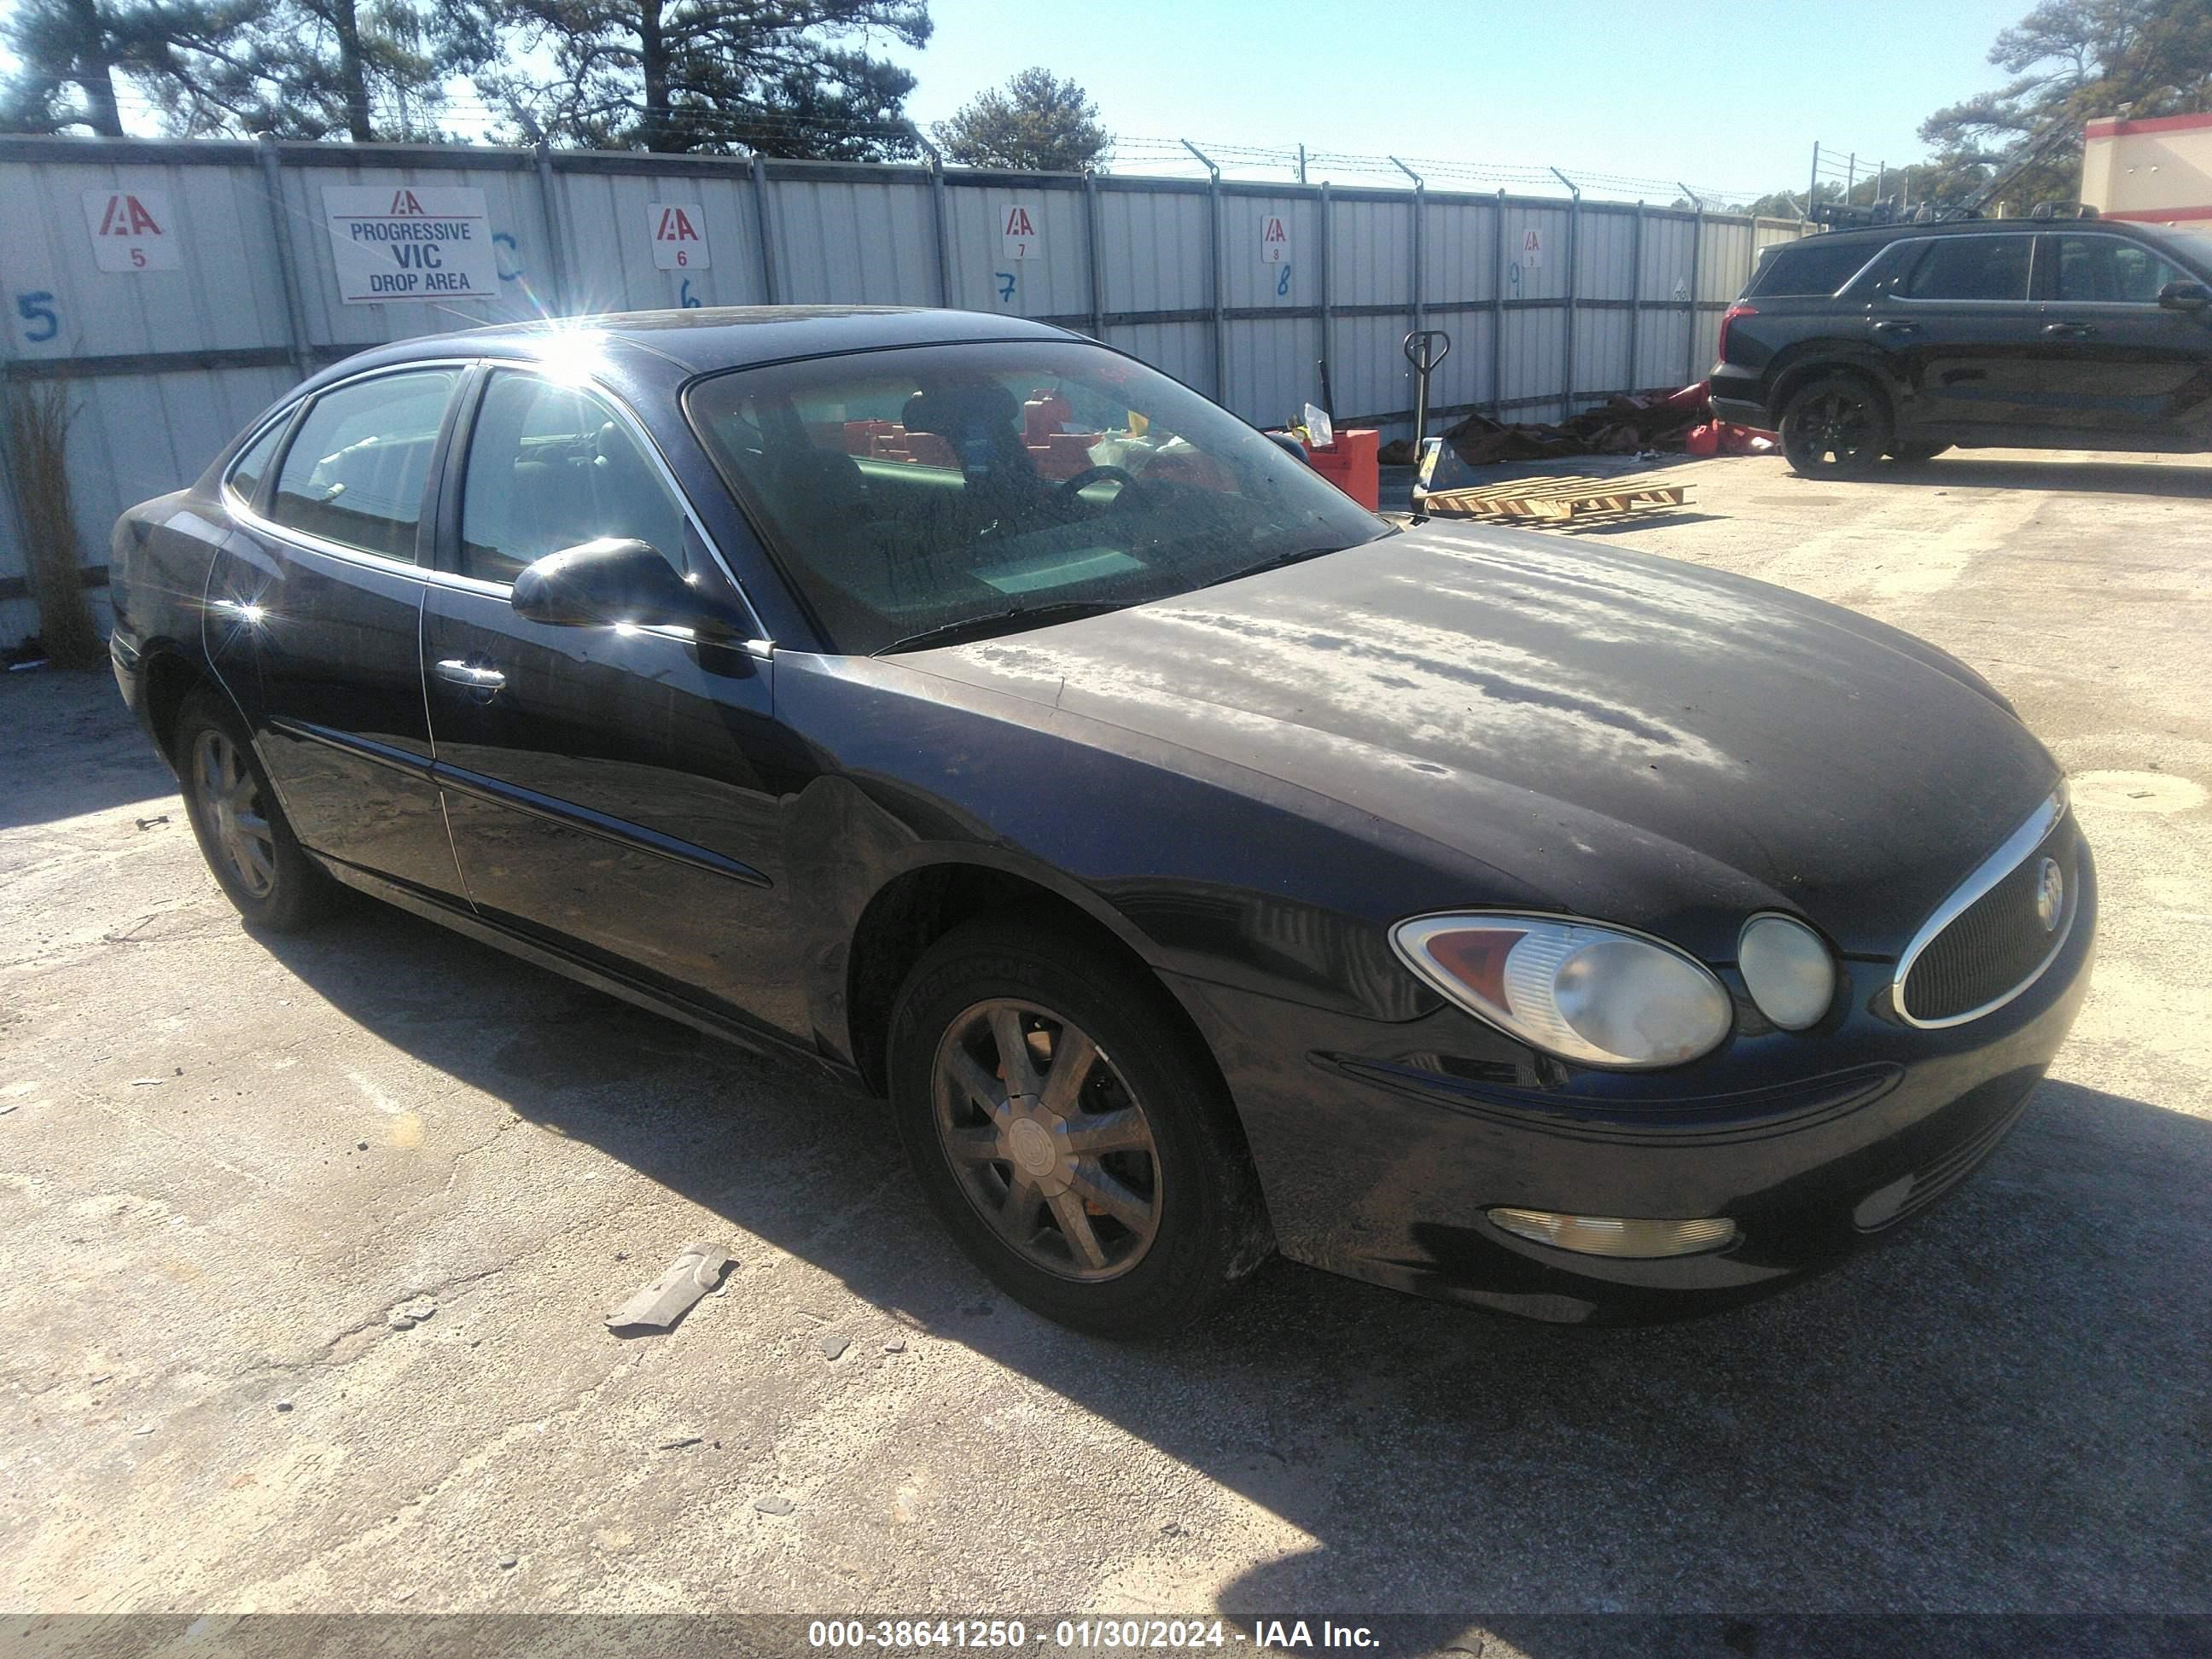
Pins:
x: 2159, y: 170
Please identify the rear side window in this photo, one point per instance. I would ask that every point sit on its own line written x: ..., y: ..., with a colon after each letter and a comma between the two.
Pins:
x: 1820, y: 264
x: 1972, y: 267
x: 552, y: 465
x: 2107, y: 271
x: 354, y: 474
x: 248, y: 471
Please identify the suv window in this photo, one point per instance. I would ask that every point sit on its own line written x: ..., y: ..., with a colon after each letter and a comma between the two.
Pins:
x: 2110, y: 271
x: 1972, y: 267
x: 1820, y: 264
x: 354, y: 474
x: 552, y: 465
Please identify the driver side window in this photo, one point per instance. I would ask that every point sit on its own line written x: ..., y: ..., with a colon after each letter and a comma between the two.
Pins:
x: 552, y: 465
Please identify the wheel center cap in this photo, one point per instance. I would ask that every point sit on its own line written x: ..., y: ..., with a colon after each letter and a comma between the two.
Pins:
x: 1032, y: 1146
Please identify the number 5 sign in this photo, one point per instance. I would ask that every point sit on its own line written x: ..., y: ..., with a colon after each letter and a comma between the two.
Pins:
x: 679, y: 235
x: 131, y: 230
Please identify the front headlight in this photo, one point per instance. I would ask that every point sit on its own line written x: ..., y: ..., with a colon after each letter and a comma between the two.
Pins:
x: 1580, y: 990
x: 1787, y: 969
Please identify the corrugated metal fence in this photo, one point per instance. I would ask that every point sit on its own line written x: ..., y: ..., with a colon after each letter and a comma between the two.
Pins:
x: 1240, y: 288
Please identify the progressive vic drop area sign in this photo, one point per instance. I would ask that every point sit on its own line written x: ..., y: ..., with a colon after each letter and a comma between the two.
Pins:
x: 410, y: 242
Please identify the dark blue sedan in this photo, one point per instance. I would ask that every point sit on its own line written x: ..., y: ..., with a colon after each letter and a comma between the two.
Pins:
x: 1200, y: 865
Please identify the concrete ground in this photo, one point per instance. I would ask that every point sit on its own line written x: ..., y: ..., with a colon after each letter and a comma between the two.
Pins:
x: 225, y: 1160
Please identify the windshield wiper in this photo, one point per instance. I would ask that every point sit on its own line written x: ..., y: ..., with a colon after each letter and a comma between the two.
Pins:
x: 1276, y: 561
x: 997, y: 621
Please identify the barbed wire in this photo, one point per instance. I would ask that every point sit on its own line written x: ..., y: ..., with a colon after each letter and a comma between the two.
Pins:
x: 1134, y: 153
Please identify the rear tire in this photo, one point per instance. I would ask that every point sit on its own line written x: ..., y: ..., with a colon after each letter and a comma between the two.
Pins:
x: 1836, y: 427
x: 242, y: 831
x: 1071, y: 1131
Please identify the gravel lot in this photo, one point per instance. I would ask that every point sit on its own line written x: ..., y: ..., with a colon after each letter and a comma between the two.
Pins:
x: 224, y: 1160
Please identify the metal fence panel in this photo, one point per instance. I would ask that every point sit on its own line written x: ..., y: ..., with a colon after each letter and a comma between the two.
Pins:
x: 172, y: 360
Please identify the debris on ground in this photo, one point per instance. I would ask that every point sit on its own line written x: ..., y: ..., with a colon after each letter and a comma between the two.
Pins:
x: 1681, y: 422
x: 509, y: 1562
x: 407, y: 1315
x: 147, y: 824
x: 680, y: 1442
x: 697, y: 1269
x: 773, y: 1504
x: 833, y: 1346
x: 897, y: 1344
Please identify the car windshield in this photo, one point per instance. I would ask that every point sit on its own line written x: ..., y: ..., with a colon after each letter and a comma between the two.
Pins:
x: 923, y: 495
x: 2194, y: 240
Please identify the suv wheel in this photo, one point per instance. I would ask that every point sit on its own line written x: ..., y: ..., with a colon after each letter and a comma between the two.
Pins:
x: 1837, y: 426
x: 1070, y: 1132
x: 243, y: 833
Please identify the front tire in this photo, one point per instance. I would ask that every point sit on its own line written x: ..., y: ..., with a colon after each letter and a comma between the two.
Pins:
x: 242, y: 831
x: 1836, y: 427
x: 1071, y: 1132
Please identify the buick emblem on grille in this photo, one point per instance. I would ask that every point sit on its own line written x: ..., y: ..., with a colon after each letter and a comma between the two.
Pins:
x: 2050, y: 895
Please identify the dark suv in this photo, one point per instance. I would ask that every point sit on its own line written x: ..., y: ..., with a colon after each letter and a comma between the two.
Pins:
x: 1904, y: 340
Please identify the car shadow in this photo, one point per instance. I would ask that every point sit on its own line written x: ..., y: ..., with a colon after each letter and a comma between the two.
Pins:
x: 1966, y: 471
x: 68, y: 747
x: 2005, y: 1408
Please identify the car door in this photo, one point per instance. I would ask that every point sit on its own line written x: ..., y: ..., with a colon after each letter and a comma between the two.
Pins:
x: 2118, y: 364
x: 613, y: 790
x: 1958, y: 332
x: 314, y: 618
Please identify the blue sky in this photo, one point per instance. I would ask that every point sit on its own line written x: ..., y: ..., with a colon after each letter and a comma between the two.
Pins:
x: 1727, y: 96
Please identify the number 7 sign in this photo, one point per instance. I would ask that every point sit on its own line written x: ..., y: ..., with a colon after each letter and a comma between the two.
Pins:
x: 1018, y: 230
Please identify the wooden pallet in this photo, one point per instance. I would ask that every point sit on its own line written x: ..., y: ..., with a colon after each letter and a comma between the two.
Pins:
x: 1551, y: 501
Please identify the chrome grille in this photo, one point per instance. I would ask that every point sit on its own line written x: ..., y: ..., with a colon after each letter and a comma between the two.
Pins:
x: 1988, y: 942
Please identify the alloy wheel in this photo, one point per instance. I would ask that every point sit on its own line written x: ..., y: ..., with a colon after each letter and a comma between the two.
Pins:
x: 1839, y: 429
x: 1047, y: 1140
x: 230, y: 801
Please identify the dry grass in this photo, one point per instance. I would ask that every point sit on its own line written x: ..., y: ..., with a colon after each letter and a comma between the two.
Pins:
x: 39, y: 414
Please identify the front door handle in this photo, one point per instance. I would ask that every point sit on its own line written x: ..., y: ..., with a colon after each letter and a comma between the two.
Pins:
x: 477, y: 676
x: 1897, y: 328
x: 2067, y: 331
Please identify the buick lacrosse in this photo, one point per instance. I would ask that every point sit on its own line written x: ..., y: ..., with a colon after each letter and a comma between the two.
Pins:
x: 1199, y: 864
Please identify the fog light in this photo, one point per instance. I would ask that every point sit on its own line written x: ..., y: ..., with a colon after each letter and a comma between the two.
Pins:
x: 1612, y: 1235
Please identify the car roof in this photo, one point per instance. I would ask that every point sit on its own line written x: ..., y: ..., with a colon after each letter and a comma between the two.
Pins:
x: 700, y: 340
x: 1871, y: 234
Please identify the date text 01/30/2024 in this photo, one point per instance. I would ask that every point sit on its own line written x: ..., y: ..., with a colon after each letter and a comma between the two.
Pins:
x: 1009, y: 1635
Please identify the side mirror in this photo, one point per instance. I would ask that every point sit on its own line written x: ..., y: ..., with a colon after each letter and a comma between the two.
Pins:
x: 613, y: 580
x: 2186, y: 296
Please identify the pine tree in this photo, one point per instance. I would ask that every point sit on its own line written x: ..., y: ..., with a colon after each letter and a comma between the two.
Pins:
x: 783, y: 77
x: 76, y: 56
x: 1038, y: 124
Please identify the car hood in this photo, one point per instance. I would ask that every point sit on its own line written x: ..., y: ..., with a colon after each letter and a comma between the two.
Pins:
x: 1614, y: 734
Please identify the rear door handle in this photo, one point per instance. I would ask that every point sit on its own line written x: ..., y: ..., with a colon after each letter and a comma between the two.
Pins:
x: 477, y: 676
x: 2067, y: 331
x: 1897, y: 328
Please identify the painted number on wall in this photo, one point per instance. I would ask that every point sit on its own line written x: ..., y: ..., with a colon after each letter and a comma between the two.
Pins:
x: 1018, y: 230
x: 41, y: 322
x: 679, y: 235
x: 132, y: 230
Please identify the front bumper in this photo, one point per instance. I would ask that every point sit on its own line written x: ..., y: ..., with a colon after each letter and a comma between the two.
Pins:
x: 1381, y: 1147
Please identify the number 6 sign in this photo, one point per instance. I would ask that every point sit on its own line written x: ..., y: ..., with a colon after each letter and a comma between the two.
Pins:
x: 679, y: 235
